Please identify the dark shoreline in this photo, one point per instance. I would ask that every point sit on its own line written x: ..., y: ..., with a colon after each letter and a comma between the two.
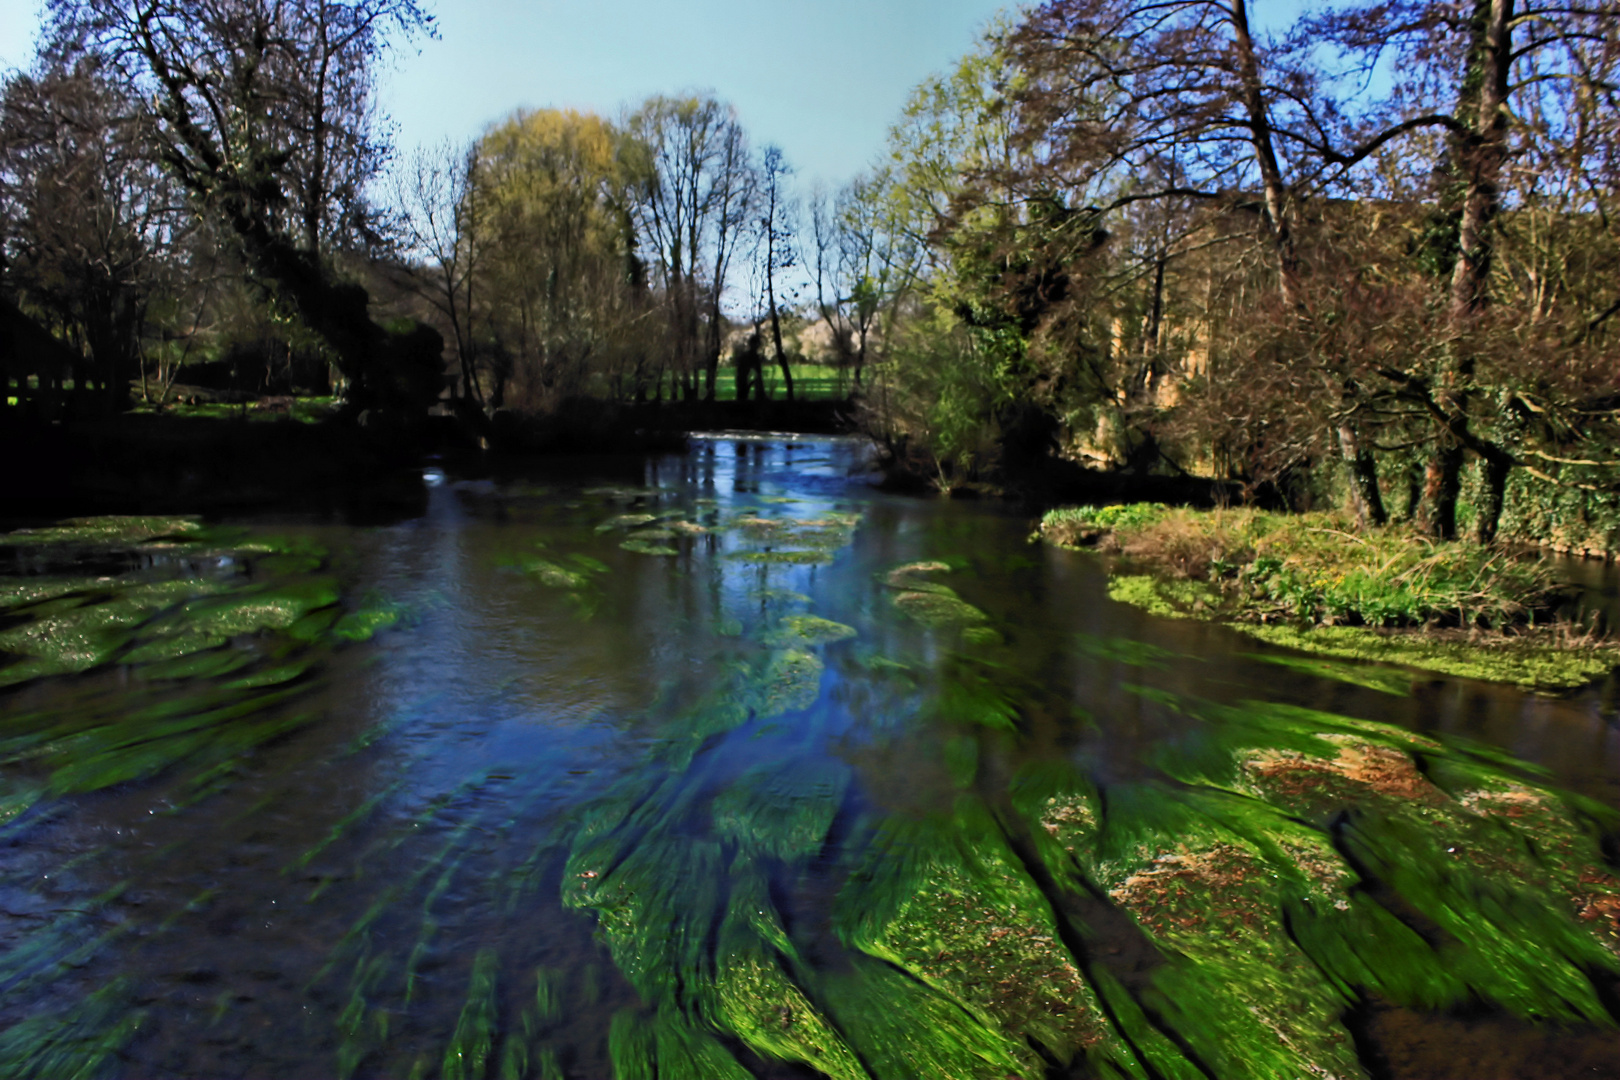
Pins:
x: 141, y: 463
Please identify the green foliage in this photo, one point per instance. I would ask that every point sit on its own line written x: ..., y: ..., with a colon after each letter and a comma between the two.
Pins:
x: 1071, y: 526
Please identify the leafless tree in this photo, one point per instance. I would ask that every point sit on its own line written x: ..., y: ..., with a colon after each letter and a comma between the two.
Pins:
x: 695, y: 209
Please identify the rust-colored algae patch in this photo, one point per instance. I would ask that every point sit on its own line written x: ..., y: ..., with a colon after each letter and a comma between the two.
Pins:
x: 1359, y: 768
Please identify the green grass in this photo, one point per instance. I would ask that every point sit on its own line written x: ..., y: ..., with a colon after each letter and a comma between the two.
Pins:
x: 307, y: 410
x: 1307, y: 582
x: 1312, y: 568
x: 811, y: 382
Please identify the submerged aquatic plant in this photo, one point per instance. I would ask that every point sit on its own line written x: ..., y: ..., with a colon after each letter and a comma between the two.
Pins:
x: 933, y: 604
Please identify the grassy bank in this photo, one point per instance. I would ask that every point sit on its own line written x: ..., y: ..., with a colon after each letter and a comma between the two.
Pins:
x: 1308, y: 582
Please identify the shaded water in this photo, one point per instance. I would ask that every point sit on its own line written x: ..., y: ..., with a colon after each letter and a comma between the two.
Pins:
x: 723, y: 764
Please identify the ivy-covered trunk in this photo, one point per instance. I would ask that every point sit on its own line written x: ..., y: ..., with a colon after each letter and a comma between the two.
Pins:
x: 1366, y: 501
x: 1442, y: 484
x: 1494, y: 469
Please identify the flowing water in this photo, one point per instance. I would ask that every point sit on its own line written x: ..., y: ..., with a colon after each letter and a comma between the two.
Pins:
x: 724, y: 765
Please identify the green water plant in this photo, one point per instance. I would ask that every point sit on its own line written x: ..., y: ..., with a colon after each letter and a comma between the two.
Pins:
x: 929, y: 602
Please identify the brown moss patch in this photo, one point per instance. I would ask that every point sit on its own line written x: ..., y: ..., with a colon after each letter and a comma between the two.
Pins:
x: 1359, y: 768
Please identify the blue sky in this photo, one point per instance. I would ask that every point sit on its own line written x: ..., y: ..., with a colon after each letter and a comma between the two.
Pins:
x: 822, y: 78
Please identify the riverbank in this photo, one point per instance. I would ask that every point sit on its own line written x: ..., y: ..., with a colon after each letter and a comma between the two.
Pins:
x: 1307, y: 582
x: 223, y: 456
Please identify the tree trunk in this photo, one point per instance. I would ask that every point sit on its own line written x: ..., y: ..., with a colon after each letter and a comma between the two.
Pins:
x: 776, y: 327
x: 1482, y: 153
x: 1442, y: 483
x: 1494, y: 472
x: 1365, y: 499
x: 1261, y: 137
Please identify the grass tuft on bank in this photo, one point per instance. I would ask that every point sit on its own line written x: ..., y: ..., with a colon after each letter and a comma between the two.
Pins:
x: 1306, y: 581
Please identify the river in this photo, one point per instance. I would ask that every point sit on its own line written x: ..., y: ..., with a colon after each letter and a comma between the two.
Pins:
x: 726, y: 764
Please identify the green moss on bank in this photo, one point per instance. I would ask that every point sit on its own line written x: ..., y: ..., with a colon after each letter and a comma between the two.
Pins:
x: 1529, y: 661
x: 1521, y: 661
x: 1312, y: 582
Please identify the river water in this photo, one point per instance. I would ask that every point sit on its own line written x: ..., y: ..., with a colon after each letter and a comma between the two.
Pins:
x: 726, y: 764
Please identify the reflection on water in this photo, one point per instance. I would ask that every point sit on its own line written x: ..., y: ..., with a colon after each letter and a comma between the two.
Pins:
x: 722, y: 765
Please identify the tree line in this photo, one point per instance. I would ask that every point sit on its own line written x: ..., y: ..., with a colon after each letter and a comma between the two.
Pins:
x: 187, y: 180
x: 1367, y: 255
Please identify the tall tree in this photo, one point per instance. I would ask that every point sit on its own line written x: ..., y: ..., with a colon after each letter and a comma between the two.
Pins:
x: 442, y: 216
x: 90, y: 214
x: 696, y: 206
x: 776, y: 246
x: 1525, y: 94
x: 262, y: 112
x: 560, y: 276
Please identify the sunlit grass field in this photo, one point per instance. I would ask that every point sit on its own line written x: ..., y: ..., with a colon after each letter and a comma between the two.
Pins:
x: 308, y: 410
x: 811, y: 382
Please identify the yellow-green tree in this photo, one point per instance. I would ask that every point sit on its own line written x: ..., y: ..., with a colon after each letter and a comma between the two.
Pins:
x: 561, y: 287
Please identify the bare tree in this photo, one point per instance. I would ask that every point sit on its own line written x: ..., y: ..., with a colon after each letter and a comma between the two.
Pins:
x: 440, y: 213
x: 1526, y: 96
x: 776, y: 247
x: 262, y: 112
x: 693, y: 213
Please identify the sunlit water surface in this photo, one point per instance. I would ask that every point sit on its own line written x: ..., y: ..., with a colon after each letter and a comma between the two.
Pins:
x: 684, y: 767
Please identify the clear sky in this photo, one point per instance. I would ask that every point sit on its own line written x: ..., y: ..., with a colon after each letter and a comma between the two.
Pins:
x: 821, y: 78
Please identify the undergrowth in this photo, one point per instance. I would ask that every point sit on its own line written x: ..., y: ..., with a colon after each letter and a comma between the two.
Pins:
x: 1312, y: 568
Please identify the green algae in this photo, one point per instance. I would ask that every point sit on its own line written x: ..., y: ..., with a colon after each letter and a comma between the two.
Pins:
x: 376, y: 614
x: 626, y: 521
x: 78, y: 1043
x: 687, y: 528
x: 632, y: 1046
x: 646, y: 547
x: 648, y: 536
x: 782, y: 810
x: 791, y: 681
x: 555, y: 575
x: 785, y: 558
x: 1124, y: 650
x: 1521, y: 661
x: 906, y: 1028
x: 757, y: 999
x: 88, y: 634
x: 778, y: 596
x: 1385, y: 680
x: 110, y: 531
x: 472, y: 1043
x: 908, y: 577
x: 1167, y: 599
x: 20, y: 595
x: 574, y: 572
x: 959, y: 913
x: 937, y: 610
x: 805, y: 631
